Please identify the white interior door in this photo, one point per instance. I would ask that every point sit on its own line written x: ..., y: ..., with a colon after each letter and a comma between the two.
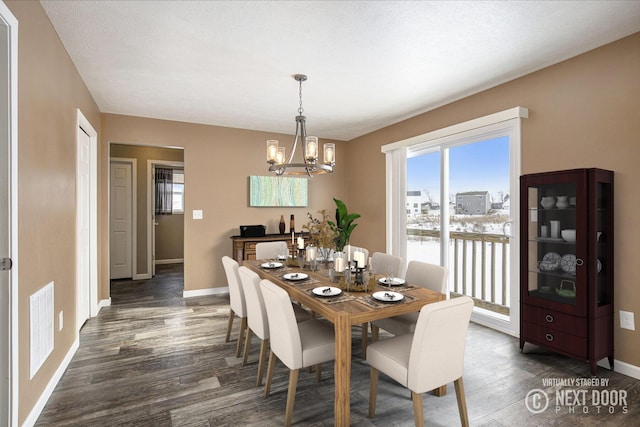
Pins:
x: 4, y: 225
x: 83, y: 209
x: 8, y: 216
x: 121, y: 218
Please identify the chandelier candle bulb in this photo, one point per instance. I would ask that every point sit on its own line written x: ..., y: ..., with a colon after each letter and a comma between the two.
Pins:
x: 329, y: 153
x: 312, y: 148
x: 272, y: 150
x: 280, y: 156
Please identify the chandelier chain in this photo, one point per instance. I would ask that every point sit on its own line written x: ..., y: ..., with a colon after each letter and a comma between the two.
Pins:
x: 300, y: 109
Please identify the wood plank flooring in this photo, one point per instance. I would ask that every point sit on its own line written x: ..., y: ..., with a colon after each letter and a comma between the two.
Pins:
x: 156, y: 359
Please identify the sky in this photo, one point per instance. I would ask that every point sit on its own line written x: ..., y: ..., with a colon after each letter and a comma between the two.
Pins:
x: 473, y: 167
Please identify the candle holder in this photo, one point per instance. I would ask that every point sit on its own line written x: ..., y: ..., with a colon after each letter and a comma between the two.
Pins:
x: 301, y: 258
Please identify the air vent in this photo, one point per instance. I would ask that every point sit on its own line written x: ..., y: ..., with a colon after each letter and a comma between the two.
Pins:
x: 41, y: 327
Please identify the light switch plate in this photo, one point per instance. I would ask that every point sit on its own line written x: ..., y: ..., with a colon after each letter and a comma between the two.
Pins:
x: 197, y: 214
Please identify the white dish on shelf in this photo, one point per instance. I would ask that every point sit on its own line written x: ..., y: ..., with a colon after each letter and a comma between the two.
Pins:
x: 387, y: 296
x: 295, y: 276
x: 569, y: 234
x: 568, y: 263
x: 550, y: 261
x: 326, y: 291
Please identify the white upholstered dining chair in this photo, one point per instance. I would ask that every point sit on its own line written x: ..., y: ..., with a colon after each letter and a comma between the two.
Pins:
x: 257, y: 321
x: 383, y: 263
x: 429, y: 358
x: 271, y: 250
x: 387, y: 264
x: 237, y: 304
x: 430, y: 276
x: 297, y: 345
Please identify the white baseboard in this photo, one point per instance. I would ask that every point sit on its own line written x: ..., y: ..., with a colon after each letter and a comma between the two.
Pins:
x: 46, y: 394
x: 141, y: 276
x: 169, y: 261
x: 104, y: 303
x: 620, y: 367
x: 204, y: 292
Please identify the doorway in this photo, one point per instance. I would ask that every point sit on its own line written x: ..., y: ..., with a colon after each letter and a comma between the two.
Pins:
x: 142, y: 157
x: 166, y: 232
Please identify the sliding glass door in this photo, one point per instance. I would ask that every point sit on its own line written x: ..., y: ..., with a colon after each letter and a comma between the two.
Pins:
x: 461, y: 210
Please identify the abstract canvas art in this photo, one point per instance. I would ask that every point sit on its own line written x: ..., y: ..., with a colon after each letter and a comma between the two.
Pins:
x: 274, y: 191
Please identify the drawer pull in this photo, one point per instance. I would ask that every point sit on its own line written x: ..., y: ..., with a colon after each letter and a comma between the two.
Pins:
x: 549, y: 337
x: 548, y: 318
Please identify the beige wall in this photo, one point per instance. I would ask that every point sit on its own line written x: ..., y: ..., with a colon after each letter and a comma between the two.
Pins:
x: 170, y: 237
x: 584, y: 112
x: 142, y: 154
x: 49, y: 92
x: 217, y: 162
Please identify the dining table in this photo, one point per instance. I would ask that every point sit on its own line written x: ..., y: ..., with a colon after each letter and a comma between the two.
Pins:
x: 349, y: 307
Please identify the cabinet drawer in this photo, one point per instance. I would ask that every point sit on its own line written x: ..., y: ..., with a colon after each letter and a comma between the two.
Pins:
x: 555, y: 340
x: 250, y: 246
x: 557, y: 321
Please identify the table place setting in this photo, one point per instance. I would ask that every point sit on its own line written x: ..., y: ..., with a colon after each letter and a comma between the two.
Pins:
x: 330, y: 294
x: 384, y: 299
x: 271, y: 265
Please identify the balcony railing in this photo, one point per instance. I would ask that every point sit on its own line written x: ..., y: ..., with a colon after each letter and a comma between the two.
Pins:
x: 479, y: 266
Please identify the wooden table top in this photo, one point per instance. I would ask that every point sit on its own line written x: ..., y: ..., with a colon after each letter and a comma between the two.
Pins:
x: 359, y: 306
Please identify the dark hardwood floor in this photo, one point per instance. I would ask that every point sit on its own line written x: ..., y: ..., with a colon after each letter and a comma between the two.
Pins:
x: 155, y: 359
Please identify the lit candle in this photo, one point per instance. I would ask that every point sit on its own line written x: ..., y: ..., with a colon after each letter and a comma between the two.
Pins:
x: 311, y: 253
x: 292, y: 241
x: 338, y: 264
x: 300, y: 243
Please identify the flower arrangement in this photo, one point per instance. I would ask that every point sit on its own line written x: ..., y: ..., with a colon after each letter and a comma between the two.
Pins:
x: 320, y: 232
x: 327, y: 235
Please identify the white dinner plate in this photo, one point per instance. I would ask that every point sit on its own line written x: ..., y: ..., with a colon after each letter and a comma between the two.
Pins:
x: 295, y: 276
x: 391, y: 281
x: 388, y: 296
x: 271, y: 265
x: 326, y: 291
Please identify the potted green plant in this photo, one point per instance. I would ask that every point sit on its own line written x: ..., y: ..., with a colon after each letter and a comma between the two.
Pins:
x: 344, y: 225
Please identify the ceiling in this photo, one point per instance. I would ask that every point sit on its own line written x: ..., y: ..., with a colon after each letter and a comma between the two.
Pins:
x: 369, y: 63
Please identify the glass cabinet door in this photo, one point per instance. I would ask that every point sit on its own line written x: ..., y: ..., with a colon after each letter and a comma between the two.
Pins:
x: 554, y: 234
x: 603, y: 259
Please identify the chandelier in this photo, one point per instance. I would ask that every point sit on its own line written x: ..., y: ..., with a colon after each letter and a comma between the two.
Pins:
x: 276, y: 154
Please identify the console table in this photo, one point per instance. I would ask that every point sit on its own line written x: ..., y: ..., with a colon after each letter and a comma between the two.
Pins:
x: 245, y: 247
